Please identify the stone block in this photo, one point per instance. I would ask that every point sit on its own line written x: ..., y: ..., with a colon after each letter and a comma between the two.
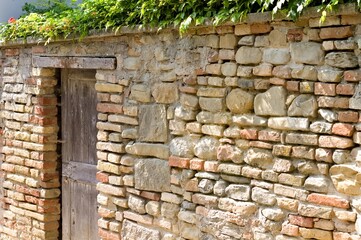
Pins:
x: 165, y: 92
x: 249, y: 55
x: 131, y: 231
x: 342, y: 59
x: 239, y: 101
x: 307, y: 52
x: 276, y: 56
x: 155, y: 116
x: 271, y: 103
x: 152, y: 174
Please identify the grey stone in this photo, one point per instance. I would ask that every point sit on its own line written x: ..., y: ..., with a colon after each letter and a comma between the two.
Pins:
x: 263, y: 196
x: 131, y: 231
x: 310, y: 210
x: 276, y: 56
x: 207, y: 175
x: 136, y: 204
x: 327, y: 74
x: 206, y: 186
x: 132, y: 63
x: 355, y: 100
x: 169, y: 210
x: 206, y: 148
x: 140, y: 93
x: 328, y: 115
x: 239, y: 192
x: 246, y: 40
x: 341, y: 156
x: 307, y: 167
x: 184, y: 113
x: 249, y: 55
x: 317, y: 184
x: 212, y: 104
x: 229, y: 69
x: 283, y: 165
x: 249, y: 120
x: 239, y: 101
x: 289, y: 123
x: 342, y: 59
x: 148, y: 149
x: 304, y: 105
x: 346, y: 179
x: 182, y: 147
x: 153, y: 208
x: 271, y: 102
x: 321, y: 127
x: 305, y: 72
x: 165, y: 92
x: 155, y: 116
x: 259, y: 158
x: 189, y: 101
x: 273, y: 214
x: 152, y: 174
x: 214, y: 118
x: 219, y: 188
x: 307, y: 52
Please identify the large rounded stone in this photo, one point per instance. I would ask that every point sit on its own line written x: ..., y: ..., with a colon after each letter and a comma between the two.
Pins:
x: 239, y: 101
x: 249, y: 55
x: 303, y: 106
x: 271, y: 103
x: 182, y: 147
x: 206, y: 148
x: 259, y: 158
x: 346, y: 179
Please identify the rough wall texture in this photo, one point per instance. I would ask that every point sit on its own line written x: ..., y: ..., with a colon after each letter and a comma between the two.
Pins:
x: 238, y: 132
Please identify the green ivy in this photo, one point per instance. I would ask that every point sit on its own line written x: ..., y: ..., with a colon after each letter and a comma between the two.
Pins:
x: 52, y: 19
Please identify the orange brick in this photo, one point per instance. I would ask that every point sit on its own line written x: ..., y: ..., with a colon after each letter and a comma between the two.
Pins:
x: 197, y: 164
x: 40, y: 110
x: 10, y: 52
x: 249, y: 134
x: 348, y: 116
x: 345, y: 89
x: 341, y: 103
x: 211, y: 166
x: 109, y: 107
x: 343, y: 129
x: 293, y: 86
x: 336, y: 32
x: 295, y: 35
x: 150, y: 195
x: 352, y: 75
x: 102, y: 177
x: 300, y: 221
x: 179, y: 162
x: 328, y: 200
x: 327, y: 89
x: 258, y: 28
x: 290, y: 230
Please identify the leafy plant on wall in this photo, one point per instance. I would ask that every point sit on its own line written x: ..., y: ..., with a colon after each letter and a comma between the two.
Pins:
x: 52, y: 19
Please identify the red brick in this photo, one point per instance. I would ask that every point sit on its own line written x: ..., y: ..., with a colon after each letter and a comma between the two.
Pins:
x: 40, y: 110
x: 348, y: 116
x: 328, y: 200
x: 277, y: 81
x: 336, y: 32
x: 30, y: 81
x: 179, y: 162
x: 343, y: 129
x: 258, y: 28
x: 10, y: 52
x: 150, y: 195
x: 200, y: 71
x: 47, y: 176
x: 190, y: 80
x: 293, y: 86
x: 326, y: 89
x: 38, y: 49
x: 290, y: 230
x: 109, y: 107
x: 197, y: 164
x: 102, y: 177
x: 352, y: 75
x: 345, y: 89
x: 301, y: 221
x: 249, y: 134
x: 295, y: 35
x: 268, y: 135
x: 107, y: 235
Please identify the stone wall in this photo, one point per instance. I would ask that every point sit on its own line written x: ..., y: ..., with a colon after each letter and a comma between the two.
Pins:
x: 246, y: 131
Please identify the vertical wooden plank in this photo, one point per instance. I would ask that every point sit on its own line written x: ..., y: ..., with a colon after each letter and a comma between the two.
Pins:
x: 65, y: 213
x: 79, y: 117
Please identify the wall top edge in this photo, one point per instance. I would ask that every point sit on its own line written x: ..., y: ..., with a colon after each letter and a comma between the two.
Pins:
x: 261, y: 17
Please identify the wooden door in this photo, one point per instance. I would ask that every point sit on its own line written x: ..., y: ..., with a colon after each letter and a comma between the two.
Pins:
x: 79, y: 204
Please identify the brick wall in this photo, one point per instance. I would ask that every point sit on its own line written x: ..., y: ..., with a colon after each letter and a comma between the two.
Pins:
x: 246, y: 131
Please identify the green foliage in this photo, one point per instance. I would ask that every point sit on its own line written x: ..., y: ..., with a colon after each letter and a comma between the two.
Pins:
x: 52, y: 19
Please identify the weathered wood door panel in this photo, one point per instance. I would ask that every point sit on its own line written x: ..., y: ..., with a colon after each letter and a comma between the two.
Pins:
x: 79, y: 206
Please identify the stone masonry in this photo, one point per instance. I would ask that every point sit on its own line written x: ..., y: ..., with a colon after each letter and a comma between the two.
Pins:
x: 246, y: 131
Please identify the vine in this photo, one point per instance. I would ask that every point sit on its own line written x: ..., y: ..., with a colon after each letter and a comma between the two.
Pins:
x: 52, y: 19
